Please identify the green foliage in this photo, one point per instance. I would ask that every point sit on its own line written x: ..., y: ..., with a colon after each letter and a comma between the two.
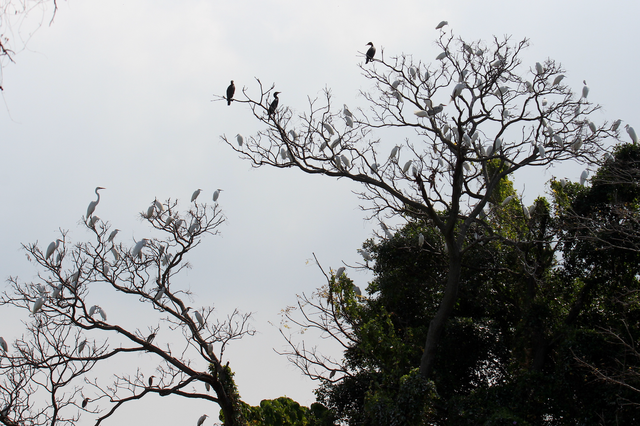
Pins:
x: 547, y: 296
x: 284, y: 411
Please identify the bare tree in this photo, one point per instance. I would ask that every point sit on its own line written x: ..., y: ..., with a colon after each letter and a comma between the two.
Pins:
x: 47, y: 374
x: 500, y: 117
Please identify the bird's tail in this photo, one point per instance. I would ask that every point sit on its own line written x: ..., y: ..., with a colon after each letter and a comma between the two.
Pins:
x: 229, y: 101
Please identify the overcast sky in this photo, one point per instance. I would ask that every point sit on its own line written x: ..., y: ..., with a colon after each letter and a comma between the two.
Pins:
x: 119, y: 96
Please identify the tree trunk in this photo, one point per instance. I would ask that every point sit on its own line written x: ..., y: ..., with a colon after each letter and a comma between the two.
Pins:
x: 444, y: 311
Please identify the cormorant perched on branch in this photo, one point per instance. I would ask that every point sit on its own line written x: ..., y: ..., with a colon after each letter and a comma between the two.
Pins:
x: 274, y: 104
x: 230, y: 91
x: 370, y: 53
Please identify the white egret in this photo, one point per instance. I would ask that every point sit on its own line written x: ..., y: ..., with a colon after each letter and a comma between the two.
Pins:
x: 92, y: 310
x: 563, y: 182
x: 412, y: 72
x: 199, y: 318
x: 558, y: 79
x: 340, y: 271
x: 52, y: 247
x: 421, y: 113
x: 559, y: 139
x: 195, y: 227
x: 525, y: 210
x: 544, y: 102
x: 396, y: 83
x: 348, y: 120
x: 457, y: 91
x: 541, y: 150
x: 274, y: 104
x: 370, y: 53
x: 113, y: 234
x: 440, y: 162
x: 94, y: 204
x: 81, y: 346
x: 585, y: 89
x: 115, y: 253
x: 398, y: 96
x: 202, y: 419
x: 374, y: 167
x: 292, y: 133
x: 283, y: 153
x: 346, y: 112
x: 150, y: 211
x: 216, y: 194
x: 105, y: 269
x: 365, y: 254
x: 37, y: 305
x: 577, y: 143
x: 435, y: 110
x: 466, y: 166
x: 529, y: 86
x: 137, y: 250
x: 73, y: 280
x: 158, y: 205
x: 507, y: 200
x: 231, y: 90
x: 592, y: 126
x: 102, y: 313
x: 539, y: 68
x: 441, y: 56
x: 357, y: 291
x: 195, y: 194
x: 583, y: 177
x: 386, y: 230
x: 441, y: 24
x: 345, y: 160
x: 420, y: 240
x: 632, y: 134
x: 328, y: 128
x: 615, y: 125
x: 406, y: 166
x: 178, y: 224
x: 394, y: 152
x: 3, y: 345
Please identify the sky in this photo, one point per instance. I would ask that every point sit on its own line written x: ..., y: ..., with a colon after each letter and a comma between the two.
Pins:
x: 120, y: 96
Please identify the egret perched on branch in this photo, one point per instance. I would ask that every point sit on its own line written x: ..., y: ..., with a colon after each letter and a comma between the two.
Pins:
x: 441, y: 24
x: 113, y: 234
x: 37, y: 305
x: 348, y: 120
x: 93, y: 204
x: 340, y: 271
x: 216, y: 194
x: 240, y: 139
x: 632, y: 134
x: 81, y: 346
x: 420, y: 240
x: 435, y: 110
x: 202, y: 419
x: 3, y: 345
x: 441, y: 56
x: 346, y: 112
x: 583, y: 177
x: 370, y: 53
x: 137, y: 250
x: 585, y: 89
x: 231, y: 90
x: 274, y: 103
x: 615, y: 125
x: 539, y: 68
x: 199, y: 318
x: 394, y: 153
x: 328, y: 128
x: 365, y: 254
x: 195, y: 194
x: 52, y: 247
x: 558, y: 79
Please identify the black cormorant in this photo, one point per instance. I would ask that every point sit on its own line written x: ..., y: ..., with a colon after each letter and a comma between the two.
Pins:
x: 370, y: 53
x: 230, y: 91
x: 274, y: 104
